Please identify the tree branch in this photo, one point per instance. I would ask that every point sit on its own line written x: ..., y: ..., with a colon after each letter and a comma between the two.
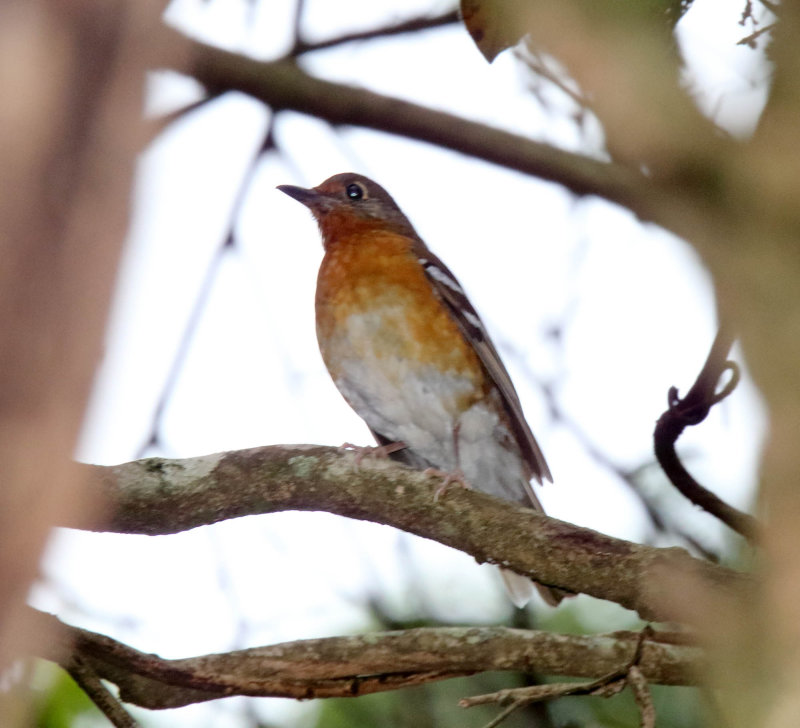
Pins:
x: 412, y: 25
x: 70, y: 132
x: 158, y: 496
x: 363, y: 664
x: 283, y: 84
x: 90, y: 683
x: 629, y: 674
x: 692, y: 410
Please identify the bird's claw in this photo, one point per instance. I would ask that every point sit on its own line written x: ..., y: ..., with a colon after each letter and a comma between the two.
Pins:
x: 372, y: 451
x: 451, y: 478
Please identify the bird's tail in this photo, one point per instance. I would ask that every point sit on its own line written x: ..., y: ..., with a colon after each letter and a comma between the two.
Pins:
x: 520, y: 589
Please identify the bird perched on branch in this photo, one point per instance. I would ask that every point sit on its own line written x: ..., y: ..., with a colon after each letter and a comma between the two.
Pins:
x: 411, y: 356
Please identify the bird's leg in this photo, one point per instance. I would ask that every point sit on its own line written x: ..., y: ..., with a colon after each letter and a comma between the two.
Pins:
x: 451, y: 477
x: 373, y: 451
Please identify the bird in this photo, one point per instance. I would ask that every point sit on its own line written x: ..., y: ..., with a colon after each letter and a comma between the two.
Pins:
x: 410, y: 354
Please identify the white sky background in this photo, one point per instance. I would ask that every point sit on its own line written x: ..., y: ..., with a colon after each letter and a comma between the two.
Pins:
x: 635, y: 305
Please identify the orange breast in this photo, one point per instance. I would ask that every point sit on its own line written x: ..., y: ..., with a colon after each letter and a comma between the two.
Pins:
x: 374, y: 277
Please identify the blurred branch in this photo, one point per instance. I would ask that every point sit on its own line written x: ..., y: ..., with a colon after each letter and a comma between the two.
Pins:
x: 751, y: 39
x: 158, y: 496
x: 83, y: 674
x: 302, y: 47
x: 71, y: 84
x: 631, y: 477
x: 774, y: 8
x: 359, y: 665
x: 538, y: 65
x: 642, y: 695
x: 284, y: 85
x: 157, y: 125
x: 297, y: 20
x: 692, y: 410
x: 681, y: 190
x: 628, y: 476
x: 153, y: 436
x: 412, y: 25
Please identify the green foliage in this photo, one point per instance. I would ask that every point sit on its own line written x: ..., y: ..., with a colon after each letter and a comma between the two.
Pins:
x: 675, y: 708
x: 435, y: 706
x: 59, y: 702
x: 428, y: 706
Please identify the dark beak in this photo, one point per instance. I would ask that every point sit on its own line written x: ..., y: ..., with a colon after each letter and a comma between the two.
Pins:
x: 308, y: 197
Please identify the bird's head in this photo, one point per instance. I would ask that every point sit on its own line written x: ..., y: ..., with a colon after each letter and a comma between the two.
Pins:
x: 349, y: 202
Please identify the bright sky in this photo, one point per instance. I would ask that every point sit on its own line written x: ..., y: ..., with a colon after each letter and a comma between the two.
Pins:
x: 530, y: 256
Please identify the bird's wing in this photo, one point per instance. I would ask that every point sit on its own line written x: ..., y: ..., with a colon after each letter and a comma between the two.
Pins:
x: 449, y: 290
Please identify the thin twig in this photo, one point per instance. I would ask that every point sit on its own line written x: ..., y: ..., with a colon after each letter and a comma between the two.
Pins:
x: 678, y: 637
x: 83, y: 674
x: 283, y: 85
x: 407, y: 26
x: 537, y: 65
x: 153, y: 436
x: 641, y: 693
x: 535, y: 693
x: 500, y: 717
x: 692, y: 410
x: 750, y: 40
x: 628, y: 476
x: 297, y: 20
x: 774, y: 8
x: 157, y: 125
x: 747, y: 13
x: 607, y: 686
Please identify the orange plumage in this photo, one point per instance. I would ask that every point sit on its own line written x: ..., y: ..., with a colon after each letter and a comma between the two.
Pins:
x: 409, y: 353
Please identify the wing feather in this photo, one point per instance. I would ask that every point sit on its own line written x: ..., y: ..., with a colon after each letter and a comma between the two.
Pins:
x: 449, y: 290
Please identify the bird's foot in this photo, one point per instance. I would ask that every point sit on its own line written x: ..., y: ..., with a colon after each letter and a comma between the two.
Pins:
x: 373, y: 451
x: 451, y: 478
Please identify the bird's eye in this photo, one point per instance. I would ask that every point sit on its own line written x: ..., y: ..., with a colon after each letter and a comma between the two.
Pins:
x: 354, y: 191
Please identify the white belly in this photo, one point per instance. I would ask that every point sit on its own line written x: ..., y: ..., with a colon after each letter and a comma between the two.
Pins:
x: 423, y: 407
